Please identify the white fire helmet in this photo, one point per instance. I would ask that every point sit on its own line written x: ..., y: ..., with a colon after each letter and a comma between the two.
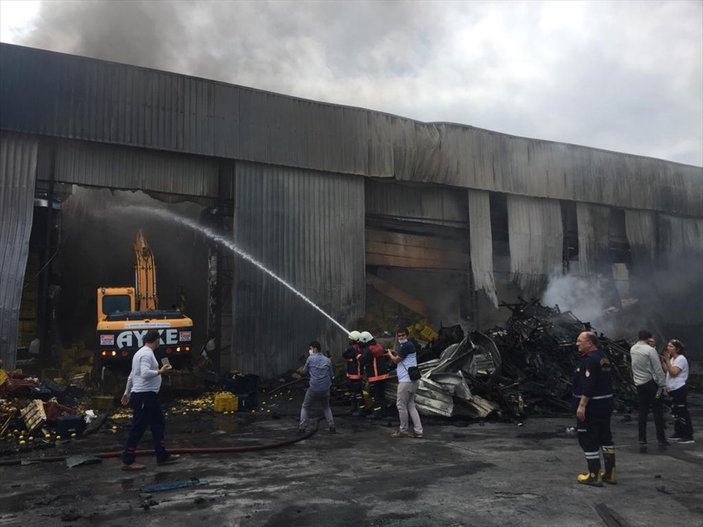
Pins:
x: 354, y: 336
x: 365, y: 337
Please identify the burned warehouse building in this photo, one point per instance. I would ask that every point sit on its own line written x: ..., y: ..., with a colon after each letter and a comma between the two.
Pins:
x: 378, y: 219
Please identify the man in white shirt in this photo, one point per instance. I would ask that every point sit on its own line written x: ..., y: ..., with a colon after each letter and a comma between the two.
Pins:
x: 650, y: 381
x: 141, y: 393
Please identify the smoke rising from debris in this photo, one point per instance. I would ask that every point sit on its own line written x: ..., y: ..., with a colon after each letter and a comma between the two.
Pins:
x: 584, y: 297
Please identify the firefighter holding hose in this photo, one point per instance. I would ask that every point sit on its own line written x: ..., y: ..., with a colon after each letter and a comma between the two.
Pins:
x: 354, y: 371
x: 375, y: 362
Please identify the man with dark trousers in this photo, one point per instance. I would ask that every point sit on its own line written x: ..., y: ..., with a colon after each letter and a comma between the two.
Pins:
x: 593, y: 403
x: 650, y: 381
x: 142, y: 393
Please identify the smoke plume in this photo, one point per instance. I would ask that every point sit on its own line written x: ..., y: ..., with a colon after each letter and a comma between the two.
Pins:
x: 584, y: 297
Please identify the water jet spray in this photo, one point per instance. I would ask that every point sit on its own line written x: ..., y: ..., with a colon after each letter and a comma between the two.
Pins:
x: 229, y: 244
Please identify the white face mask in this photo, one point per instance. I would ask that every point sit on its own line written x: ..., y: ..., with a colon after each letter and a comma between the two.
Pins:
x: 402, y: 341
x: 311, y: 351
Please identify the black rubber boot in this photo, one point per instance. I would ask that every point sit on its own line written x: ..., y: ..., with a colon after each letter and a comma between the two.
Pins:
x: 609, y: 475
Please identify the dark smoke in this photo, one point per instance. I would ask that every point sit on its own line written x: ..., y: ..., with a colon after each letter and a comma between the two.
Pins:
x: 274, y: 46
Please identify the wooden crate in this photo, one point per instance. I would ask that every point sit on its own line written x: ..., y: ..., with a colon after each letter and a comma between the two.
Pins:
x: 33, y: 415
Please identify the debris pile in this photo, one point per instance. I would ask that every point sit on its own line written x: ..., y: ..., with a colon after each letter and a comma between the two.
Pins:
x: 36, y: 415
x: 523, y: 368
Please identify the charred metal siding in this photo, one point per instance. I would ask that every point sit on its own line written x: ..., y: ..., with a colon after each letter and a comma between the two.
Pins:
x: 113, y: 103
x: 536, y: 242
x: 307, y: 227
x: 423, y: 203
x: 481, y: 238
x: 76, y: 97
x: 18, y: 166
x: 116, y: 167
x: 516, y: 165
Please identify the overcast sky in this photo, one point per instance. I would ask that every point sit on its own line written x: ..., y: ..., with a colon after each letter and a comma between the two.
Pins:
x: 624, y: 76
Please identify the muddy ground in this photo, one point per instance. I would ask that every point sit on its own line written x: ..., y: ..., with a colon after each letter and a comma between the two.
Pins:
x: 460, y: 474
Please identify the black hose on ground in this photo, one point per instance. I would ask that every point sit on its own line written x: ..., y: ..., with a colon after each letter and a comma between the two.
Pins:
x: 202, y: 450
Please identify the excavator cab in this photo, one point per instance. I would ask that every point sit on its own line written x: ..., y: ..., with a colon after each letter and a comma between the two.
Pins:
x: 114, y: 300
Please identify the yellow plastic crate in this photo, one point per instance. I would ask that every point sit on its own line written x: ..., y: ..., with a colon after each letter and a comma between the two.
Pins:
x: 428, y: 334
x: 226, y: 402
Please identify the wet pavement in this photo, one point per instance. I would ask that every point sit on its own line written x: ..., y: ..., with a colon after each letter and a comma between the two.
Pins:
x: 469, y: 475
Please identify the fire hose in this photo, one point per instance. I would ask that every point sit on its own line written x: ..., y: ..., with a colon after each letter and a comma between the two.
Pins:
x: 184, y: 451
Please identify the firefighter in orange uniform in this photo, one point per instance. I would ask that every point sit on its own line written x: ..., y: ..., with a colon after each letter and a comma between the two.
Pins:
x: 375, y: 362
x: 354, y: 377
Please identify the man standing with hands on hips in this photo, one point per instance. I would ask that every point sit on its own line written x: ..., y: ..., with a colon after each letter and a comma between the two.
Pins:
x: 142, y: 394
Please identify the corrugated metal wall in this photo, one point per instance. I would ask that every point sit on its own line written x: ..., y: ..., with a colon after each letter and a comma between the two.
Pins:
x: 18, y: 166
x: 76, y: 97
x: 516, y: 165
x: 536, y: 242
x: 482, y: 244
x: 424, y: 203
x: 149, y: 112
x: 307, y: 227
x: 117, y: 167
x: 641, y: 229
x: 594, y: 253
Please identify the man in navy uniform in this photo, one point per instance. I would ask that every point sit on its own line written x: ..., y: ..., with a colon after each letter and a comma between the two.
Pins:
x: 593, y: 402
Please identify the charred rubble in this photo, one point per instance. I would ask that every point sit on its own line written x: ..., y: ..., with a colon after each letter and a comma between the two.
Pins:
x: 523, y: 368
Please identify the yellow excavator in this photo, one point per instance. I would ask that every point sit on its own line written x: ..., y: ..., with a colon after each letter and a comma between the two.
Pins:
x: 125, y: 314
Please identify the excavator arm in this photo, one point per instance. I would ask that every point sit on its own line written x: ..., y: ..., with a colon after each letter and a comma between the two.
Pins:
x: 145, y: 275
